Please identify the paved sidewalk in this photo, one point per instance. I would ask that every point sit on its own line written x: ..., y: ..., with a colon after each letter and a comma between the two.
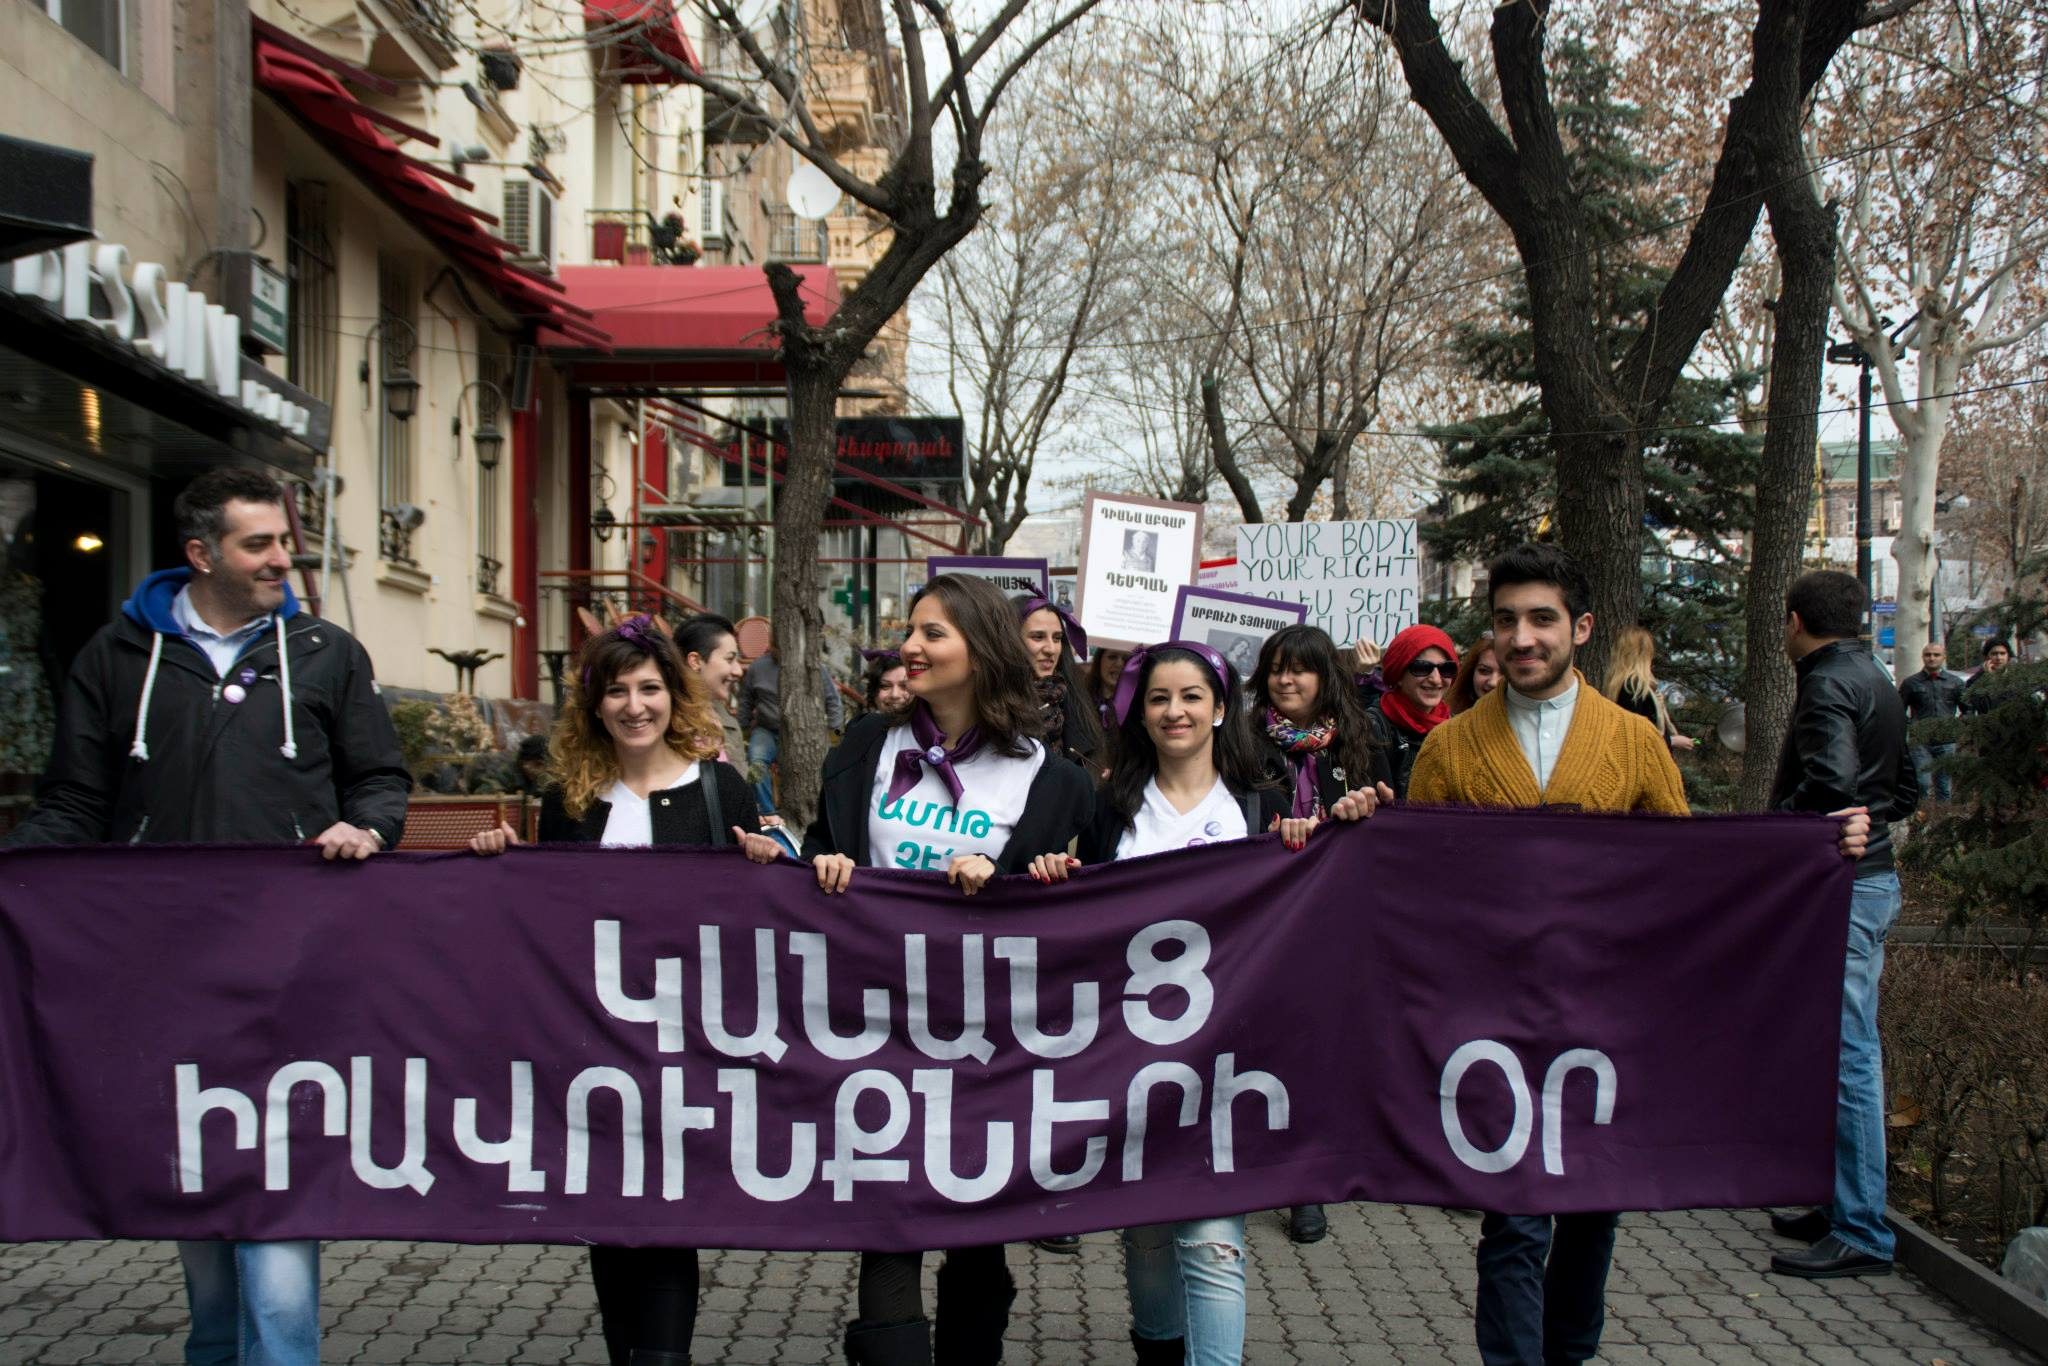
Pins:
x: 1390, y: 1285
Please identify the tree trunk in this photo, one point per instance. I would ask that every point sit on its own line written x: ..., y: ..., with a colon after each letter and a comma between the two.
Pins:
x: 1600, y: 525
x: 1919, y: 467
x: 1224, y: 457
x: 814, y: 381
x: 1803, y: 232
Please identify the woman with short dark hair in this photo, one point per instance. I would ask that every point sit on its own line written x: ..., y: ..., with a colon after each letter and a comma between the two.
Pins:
x: 961, y: 783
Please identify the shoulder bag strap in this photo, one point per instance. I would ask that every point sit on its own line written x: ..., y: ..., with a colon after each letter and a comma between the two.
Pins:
x: 707, y: 779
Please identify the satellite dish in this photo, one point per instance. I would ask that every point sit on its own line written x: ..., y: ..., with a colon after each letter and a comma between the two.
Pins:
x: 810, y: 192
x: 1733, y: 728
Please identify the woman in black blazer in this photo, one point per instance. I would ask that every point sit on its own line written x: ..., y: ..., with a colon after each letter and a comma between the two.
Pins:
x: 963, y: 784
x: 632, y: 763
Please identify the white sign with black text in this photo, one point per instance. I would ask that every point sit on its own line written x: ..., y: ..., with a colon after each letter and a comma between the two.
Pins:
x: 1358, y: 580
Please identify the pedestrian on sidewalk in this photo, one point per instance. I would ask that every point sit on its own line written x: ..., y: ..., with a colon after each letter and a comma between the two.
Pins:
x: 212, y: 710
x: 1997, y: 654
x: 1846, y: 748
x: 1420, y: 664
x: 969, y: 746
x: 1188, y: 771
x: 888, y: 683
x: 1933, y: 694
x: 1632, y: 682
x: 632, y: 763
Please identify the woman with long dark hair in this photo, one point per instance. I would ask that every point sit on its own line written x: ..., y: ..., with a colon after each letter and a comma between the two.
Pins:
x: 1105, y: 667
x: 631, y: 763
x: 1188, y: 771
x: 962, y: 784
x: 1305, y: 709
x: 1054, y: 640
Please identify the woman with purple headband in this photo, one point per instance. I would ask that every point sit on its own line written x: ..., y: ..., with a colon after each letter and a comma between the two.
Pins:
x: 1188, y: 771
x: 631, y: 763
x: 961, y: 784
x: 1056, y: 642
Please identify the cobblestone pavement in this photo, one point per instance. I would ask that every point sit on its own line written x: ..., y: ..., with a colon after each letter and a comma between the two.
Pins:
x: 1390, y: 1284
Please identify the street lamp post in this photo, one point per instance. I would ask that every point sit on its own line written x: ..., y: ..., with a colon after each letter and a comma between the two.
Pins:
x: 1852, y: 353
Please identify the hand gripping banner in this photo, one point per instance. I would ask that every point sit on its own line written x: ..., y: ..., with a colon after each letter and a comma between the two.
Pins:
x: 1526, y: 1011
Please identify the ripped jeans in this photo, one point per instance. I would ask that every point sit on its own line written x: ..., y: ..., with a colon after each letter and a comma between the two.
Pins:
x: 1186, y: 1280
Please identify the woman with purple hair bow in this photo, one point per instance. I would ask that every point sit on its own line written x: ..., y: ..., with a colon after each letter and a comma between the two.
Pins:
x: 1056, y: 643
x: 1188, y: 771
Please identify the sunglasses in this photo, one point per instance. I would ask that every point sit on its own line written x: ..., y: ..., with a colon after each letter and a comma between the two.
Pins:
x: 1423, y: 668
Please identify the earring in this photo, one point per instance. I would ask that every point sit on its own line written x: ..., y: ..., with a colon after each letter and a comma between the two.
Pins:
x: 1217, y: 724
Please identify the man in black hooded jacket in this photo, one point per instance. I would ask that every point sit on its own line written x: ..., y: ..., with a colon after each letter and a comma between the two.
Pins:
x: 213, y: 711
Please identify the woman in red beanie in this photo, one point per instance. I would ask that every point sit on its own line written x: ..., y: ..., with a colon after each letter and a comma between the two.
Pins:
x: 1418, y: 666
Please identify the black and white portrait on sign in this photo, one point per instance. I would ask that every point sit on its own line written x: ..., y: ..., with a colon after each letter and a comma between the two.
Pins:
x: 1240, y: 651
x: 1141, y: 551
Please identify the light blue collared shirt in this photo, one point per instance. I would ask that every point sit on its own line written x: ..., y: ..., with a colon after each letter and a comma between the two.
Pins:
x: 223, y: 650
x: 1540, y: 727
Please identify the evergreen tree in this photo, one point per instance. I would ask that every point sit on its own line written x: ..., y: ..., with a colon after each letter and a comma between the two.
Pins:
x: 1499, y: 474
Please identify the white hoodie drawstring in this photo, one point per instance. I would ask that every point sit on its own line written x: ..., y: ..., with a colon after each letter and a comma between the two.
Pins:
x: 290, y: 747
x: 140, y: 748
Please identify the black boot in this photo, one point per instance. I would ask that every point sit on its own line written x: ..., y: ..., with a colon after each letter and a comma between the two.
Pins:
x: 889, y: 1344
x: 1307, y: 1224
x: 644, y: 1357
x: 973, y: 1311
x: 1160, y: 1351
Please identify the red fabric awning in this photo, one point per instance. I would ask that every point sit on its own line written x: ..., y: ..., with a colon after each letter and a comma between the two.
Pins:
x: 619, y: 22
x: 307, y: 85
x: 687, y: 323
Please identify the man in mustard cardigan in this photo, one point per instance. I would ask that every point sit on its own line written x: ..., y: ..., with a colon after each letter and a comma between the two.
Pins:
x: 1548, y: 739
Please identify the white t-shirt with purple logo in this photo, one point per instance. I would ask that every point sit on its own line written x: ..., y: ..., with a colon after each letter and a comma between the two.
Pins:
x: 925, y: 829
x: 1158, y: 827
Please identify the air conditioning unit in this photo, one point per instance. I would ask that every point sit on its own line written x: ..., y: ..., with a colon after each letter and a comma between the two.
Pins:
x: 711, y: 227
x: 529, y: 223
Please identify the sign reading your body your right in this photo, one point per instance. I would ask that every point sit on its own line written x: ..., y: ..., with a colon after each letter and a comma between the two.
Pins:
x: 1357, y: 579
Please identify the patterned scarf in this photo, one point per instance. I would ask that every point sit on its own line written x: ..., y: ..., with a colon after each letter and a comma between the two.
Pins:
x: 1301, y: 746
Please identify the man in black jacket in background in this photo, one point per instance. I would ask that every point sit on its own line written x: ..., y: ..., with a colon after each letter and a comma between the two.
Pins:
x: 1846, y: 750
x: 1933, y: 694
x: 211, y: 710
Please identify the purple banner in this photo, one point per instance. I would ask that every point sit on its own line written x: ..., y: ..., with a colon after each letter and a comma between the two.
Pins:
x: 1528, y: 1011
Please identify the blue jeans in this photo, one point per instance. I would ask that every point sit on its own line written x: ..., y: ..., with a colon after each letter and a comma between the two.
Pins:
x: 1934, y: 782
x: 253, y: 1304
x: 762, y: 748
x: 1542, y: 1287
x: 1186, y: 1280
x: 1858, y: 1211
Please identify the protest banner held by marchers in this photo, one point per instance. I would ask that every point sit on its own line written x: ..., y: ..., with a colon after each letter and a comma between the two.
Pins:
x: 637, y: 1047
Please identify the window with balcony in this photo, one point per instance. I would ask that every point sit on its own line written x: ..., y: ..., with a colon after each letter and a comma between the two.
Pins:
x: 791, y: 238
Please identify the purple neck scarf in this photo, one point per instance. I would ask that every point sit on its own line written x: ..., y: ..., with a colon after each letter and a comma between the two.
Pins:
x: 911, y: 763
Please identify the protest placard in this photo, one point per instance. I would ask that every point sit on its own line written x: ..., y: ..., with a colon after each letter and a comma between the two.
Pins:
x: 1357, y: 579
x: 1018, y: 578
x: 1234, y: 625
x: 1063, y: 582
x: 1135, y: 553
x: 1218, y: 574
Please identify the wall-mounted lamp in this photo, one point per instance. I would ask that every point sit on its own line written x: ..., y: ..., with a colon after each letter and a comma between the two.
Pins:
x: 490, y: 441
x: 401, y: 389
x: 603, y: 522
